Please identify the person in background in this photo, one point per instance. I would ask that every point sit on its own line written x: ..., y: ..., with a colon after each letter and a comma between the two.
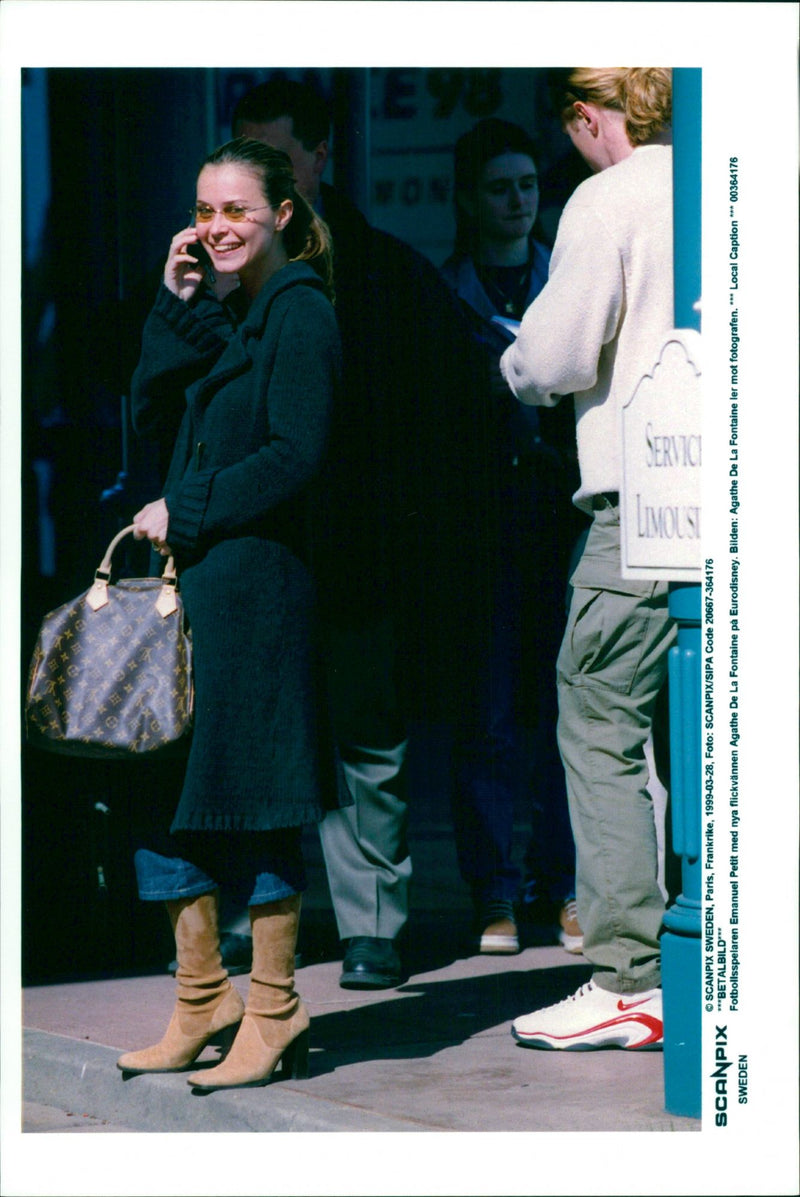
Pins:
x: 592, y: 332
x: 244, y: 391
x: 399, y: 491
x: 497, y: 269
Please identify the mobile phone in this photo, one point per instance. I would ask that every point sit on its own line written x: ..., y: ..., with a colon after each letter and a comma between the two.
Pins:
x: 199, y: 252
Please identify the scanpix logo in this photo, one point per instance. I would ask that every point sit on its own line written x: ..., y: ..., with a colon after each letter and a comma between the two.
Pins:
x: 720, y: 1075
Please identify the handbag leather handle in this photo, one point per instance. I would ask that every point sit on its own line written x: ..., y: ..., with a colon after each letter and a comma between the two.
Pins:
x: 97, y: 597
x: 105, y: 564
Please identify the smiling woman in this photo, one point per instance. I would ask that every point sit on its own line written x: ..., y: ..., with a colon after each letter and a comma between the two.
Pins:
x: 237, y: 228
x: 248, y: 381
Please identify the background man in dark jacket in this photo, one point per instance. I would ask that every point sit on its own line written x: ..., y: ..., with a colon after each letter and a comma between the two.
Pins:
x: 404, y: 494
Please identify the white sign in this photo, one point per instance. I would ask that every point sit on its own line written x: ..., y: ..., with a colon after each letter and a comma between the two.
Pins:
x: 662, y: 454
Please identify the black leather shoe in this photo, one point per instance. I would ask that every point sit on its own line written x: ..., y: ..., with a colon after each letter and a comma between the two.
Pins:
x: 370, y: 963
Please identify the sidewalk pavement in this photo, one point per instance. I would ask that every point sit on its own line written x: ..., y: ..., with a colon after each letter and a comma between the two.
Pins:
x: 435, y: 1054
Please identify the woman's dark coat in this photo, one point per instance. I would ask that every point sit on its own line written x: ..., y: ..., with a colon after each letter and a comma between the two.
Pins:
x: 251, y: 402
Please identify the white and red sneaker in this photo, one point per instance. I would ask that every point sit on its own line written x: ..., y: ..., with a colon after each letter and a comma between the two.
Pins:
x: 595, y: 1018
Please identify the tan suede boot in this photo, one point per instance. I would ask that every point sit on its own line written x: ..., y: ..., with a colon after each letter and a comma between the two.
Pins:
x: 208, y: 1007
x: 275, y: 1023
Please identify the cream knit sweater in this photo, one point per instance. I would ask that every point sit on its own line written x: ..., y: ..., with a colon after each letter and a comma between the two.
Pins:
x: 599, y: 322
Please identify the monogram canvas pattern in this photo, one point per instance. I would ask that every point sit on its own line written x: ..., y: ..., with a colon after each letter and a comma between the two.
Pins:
x: 112, y: 682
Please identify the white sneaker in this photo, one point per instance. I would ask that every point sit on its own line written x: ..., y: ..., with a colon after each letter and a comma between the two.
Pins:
x: 593, y: 1018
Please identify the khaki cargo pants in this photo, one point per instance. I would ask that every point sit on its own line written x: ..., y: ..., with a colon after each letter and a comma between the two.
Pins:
x: 611, y: 667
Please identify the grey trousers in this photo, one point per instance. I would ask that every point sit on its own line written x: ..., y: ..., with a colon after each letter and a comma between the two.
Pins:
x: 365, y: 848
x: 611, y: 667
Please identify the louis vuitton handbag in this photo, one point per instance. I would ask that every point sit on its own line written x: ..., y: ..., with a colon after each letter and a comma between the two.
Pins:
x: 111, y: 674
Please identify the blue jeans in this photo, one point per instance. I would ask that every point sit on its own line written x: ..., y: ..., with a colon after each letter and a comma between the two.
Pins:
x: 255, y: 867
x: 486, y: 761
x: 497, y: 767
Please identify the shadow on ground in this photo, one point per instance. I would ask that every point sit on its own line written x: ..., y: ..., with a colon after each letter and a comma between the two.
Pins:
x: 424, y: 1017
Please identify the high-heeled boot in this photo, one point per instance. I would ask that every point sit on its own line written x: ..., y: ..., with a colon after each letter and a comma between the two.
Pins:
x: 275, y: 1023
x: 208, y: 1008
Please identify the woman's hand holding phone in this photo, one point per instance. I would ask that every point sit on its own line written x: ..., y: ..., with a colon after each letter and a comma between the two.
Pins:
x: 188, y: 264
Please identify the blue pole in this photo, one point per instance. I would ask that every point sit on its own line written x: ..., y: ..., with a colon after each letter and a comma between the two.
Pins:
x: 687, y: 179
x: 681, y: 962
